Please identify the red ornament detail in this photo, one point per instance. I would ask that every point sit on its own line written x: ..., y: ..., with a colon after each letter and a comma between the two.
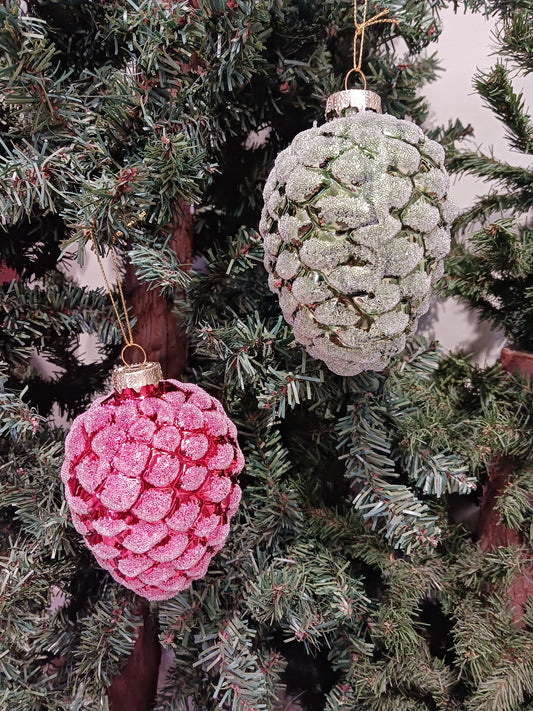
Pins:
x: 151, y: 482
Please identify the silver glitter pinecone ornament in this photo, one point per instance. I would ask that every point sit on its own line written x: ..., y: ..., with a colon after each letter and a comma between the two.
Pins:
x: 356, y: 226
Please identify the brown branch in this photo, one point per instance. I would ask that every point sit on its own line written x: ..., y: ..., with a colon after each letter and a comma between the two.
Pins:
x: 134, y: 689
x: 158, y: 330
x: 491, y: 530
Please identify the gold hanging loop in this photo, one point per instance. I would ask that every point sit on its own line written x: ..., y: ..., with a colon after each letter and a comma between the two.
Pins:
x: 133, y: 345
x: 356, y: 71
x: 359, y: 37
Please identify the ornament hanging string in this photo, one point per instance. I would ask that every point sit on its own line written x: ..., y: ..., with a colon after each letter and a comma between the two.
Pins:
x: 125, y: 326
x: 359, y: 38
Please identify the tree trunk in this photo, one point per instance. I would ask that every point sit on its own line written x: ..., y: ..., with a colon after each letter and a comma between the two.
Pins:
x: 517, y: 362
x: 492, y: 531
x: 157, y: 329
x: 134, y: 689
x: 159, y: 332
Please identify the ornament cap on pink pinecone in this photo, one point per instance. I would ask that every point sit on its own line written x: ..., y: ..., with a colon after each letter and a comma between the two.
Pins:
x: 150, y: 477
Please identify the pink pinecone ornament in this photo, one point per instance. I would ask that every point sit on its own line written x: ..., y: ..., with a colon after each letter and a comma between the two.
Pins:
x: 150, y: 478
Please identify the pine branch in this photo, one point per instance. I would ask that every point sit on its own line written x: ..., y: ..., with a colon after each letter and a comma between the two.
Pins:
x: 308, y: 592
x: 514, y: 37
x: 408, y: 584
x: 408, y: 522
x: 227, y: 273
x: 33, y: 180
x: 25, y: 657
x: 507, y: 688
x: 27, y: 315
x: 112, y: 624
x: 500, y: 257
x: 439, y: 473
x: 241, y: 683
x: 347, y: 529
x: 489, y: 169
x: 451, y: 134
x: 260, y: 355
x: 516, y: 502
x: 159, y: 269
x: 496, y: 89
x: 503, y: 8
x: 493, y: 204
x: 477, y: 646
x: 273, y: 499
x: 376, y: 427
x: 417, y: 682
x: 507, y: 246
x: 17, y: 420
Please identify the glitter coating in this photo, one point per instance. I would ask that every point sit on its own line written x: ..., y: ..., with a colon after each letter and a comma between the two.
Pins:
x: 151, y: 482
x: 355, y: 228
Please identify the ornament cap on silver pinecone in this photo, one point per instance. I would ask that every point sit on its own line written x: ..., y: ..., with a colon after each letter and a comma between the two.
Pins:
x: 358, y: 99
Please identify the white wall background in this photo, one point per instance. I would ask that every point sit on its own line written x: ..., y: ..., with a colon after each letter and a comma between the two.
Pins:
x: 465, y: 45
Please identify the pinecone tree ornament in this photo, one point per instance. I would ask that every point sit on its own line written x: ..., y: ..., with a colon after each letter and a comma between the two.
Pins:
x: 150, y: 478
x: 356, y: 225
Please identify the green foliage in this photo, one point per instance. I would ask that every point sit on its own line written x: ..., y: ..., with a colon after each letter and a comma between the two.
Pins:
x: 492, y: 269
x: 409, y: 439
x: 60, y: 641
x: 345, y: 558
x: 515, y: 503
x: 514, y: 37
x: 496, y: 89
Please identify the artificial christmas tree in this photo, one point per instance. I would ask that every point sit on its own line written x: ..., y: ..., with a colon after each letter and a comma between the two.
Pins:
x: 492, y: 271
x: 346, y: 583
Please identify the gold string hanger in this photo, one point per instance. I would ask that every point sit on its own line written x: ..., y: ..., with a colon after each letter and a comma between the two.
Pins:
x: 125, y: 326
x: 359, y: 37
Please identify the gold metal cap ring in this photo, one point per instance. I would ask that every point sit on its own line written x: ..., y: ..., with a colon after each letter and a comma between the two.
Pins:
x: 136, y: 376
x: 358, y: 99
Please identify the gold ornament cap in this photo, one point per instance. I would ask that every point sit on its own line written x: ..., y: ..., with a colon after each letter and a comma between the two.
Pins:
x: 136, y: 376
x: 358, y: 99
